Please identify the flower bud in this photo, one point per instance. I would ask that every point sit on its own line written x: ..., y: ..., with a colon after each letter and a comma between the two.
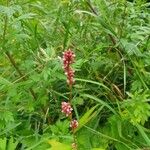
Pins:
x: 74, y: 124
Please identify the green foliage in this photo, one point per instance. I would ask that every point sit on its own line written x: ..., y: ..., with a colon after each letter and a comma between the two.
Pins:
x: 111, y: 40
x: 57, y: 145
x: 8, y: 144
x: 137, y: 109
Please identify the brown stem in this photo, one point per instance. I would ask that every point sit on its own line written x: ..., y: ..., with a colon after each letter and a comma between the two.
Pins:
x: 70, y: 117
x: 74, y: 140
x: 70, y: 95
x: 11, y: 59
x: 14, y: 64
x: 9, y: 55
x: 91, y: 7
x: 112, y: 39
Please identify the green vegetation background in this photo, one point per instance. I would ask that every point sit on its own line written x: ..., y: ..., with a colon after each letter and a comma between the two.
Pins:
x: 111, y: 96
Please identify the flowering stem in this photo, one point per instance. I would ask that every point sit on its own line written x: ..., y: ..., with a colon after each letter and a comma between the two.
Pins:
x: 70, y: 95
x: 73, y: 131
x: 68, y: 59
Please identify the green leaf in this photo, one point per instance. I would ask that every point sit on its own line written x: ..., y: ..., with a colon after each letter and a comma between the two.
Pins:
x: 26, y: 16
x: 9, y: 11
x: 11, y: 144
x: 98, y: 149
x: 92, y: 82
x: 144, y: 135
x: 86, y: 117
x: 99, y: 101
x: 131, y: 48
x: 78, y: 101
x: 55, y: 145
x: 3, y: 144
x: 9, y: 128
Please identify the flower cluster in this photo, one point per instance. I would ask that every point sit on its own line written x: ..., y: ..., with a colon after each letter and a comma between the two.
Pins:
x: 68, y: 59
x: 66, y: 108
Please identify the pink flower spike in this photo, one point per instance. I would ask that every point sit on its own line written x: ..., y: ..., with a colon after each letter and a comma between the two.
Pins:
x: 70, y: 76
x: 68, y: 59
x: 74, y: 124
x: 66, y: 108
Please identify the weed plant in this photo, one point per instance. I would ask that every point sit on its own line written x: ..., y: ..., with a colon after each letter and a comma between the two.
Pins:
x: 111, y: 94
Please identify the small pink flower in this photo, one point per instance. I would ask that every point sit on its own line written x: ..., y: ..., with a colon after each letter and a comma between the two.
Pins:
x: 66, y: 108
x: 74, y: 124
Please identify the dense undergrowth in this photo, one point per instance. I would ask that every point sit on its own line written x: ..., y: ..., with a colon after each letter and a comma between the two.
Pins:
x: 111, y: 94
